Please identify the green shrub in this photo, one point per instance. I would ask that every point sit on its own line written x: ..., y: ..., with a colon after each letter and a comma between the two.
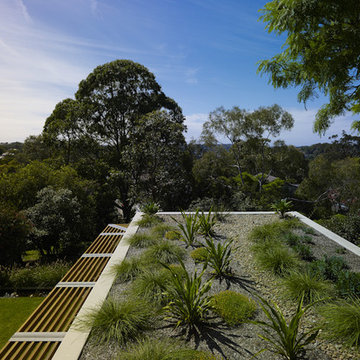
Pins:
x: 292, y: 239
x: 148, y: 220
x: 307, y: 284
x: 172, y: 235
x: 119, y: 321
x: 150, y: 208
x: 206, y: 224
x: 342, y: 321
x: 199, y: 255
x: 276, y: 257
x: 329, y: 267
x: 143, y: 240
x: 4, y: 278
x: 161, y: 229
x: 164, y: 349
x: 129, y: 269
x: 348, y: 284
x: 219, y: 257
x: 38, y: 277
x: 188, y: 303
x: 309, y: 231
x: 165, y: 252
x: 282, y: 337
x: 189, y: 229
x: 234, y: 308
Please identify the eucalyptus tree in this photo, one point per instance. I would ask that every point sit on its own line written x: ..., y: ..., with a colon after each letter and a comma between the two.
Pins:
x: 249, y: 133
x: 321, y: 53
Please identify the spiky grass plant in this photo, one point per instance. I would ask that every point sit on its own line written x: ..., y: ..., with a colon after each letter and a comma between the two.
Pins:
x: 165, y: 252
x: 206, y: 223
x: 148, y: 220
x: 275, y: 257
x: 234, y: 308
x: 308, y: 285
x: 219, y: 257
x: 282, y: 338
x: 281, y: 207
x: 342, y: 321
x: 119, y: 321
x: 161, y: 229
x: 189, y: 229
x: 162, y: 349
x: 188, y: 303
x: 143, y: 240
x: 199, y: 255
x: 150, y: 208
x: 129, y: 269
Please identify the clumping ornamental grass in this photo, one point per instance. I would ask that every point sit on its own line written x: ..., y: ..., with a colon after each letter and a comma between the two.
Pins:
x: 161, y: 229
x: 234, y: 308
x: 129, y: 269
x: 142, y: 240
x: 276, y: 258
x: 148, y: 220
x: 162, y: 349
x: 119, y: 321
x: 306, y: 284
x: 165, y: 252
x: 342, y: 321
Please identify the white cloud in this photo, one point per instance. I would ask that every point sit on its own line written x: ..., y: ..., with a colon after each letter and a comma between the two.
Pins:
x: 194, y: 124
x: 24, y: 11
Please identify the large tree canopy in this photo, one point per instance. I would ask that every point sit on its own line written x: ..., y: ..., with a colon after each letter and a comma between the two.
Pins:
x: 321, y: 53
x: 110, y: 116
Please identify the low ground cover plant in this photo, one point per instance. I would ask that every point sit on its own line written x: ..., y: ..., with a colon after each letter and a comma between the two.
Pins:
x: 161, y: 229
x: 329, y: 268
x: 348, y: 284
x: 172, y: 235
x: 234, y: 308
x: 199, y: 255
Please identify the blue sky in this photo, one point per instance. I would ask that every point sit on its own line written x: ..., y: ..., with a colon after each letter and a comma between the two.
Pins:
x: 202, y: 52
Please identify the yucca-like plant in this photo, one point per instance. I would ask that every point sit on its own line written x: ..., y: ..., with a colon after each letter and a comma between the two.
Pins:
x: 284, y: 339
x: 189, y: 229
x: 219, y: 257
x: 150, y: 208
x: 188, y: 303
x: 206, y: 224
x: 281, y: 207
x: 119, y: 321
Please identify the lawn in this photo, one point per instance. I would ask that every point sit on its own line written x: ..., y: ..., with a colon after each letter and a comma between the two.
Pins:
x: 13, y: 312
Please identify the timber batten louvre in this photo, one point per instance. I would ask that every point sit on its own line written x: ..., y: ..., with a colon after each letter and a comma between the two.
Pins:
x: 41, y: 334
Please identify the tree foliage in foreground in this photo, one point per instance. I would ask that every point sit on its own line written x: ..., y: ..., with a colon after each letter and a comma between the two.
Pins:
x: 320, y: 54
